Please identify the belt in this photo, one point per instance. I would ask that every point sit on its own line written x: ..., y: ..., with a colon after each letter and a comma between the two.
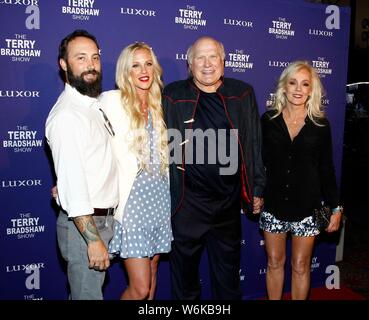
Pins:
x: 103, y: 212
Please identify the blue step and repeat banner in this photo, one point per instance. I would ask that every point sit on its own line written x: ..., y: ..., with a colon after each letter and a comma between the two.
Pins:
x: 260, y: 37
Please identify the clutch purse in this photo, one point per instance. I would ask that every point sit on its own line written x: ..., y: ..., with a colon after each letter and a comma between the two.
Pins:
x: 322, y: 217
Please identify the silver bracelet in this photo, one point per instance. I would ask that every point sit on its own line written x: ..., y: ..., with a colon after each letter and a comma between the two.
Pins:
x: 339, y: 209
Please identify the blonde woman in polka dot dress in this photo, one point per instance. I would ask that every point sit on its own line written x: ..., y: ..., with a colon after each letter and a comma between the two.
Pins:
x: 142, y: 228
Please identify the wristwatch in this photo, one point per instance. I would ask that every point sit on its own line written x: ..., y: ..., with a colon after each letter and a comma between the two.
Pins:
x: 338, y: 209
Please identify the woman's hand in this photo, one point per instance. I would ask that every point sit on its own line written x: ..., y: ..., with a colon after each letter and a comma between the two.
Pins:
x: 334, y: 222
x: 257, y: 205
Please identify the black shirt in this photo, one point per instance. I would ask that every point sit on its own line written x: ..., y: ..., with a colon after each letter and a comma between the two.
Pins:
x: 300, y: 173
x: 210, y: 150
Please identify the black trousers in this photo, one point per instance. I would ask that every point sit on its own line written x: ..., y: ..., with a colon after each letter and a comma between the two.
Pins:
x: 205, y: 221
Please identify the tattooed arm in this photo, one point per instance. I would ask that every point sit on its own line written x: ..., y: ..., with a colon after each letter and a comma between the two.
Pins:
x: 97, y: 252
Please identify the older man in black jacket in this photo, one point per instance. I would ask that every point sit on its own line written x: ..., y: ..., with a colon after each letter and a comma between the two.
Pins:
x: 216, y: 170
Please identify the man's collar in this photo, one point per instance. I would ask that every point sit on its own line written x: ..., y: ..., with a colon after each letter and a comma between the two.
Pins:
x: 79, y: 96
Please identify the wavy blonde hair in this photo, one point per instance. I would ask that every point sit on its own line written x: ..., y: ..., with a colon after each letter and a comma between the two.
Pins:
x: 313, y: 105
x: 139, y: 143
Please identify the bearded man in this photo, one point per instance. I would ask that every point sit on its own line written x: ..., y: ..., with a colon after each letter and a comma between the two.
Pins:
x: 78, y: 132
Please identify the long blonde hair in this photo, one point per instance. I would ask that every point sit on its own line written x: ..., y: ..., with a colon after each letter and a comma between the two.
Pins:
x: 313, y: 105
x: 132, y: 106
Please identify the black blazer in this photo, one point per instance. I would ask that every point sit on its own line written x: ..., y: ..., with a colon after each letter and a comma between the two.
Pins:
x: 300, y: 173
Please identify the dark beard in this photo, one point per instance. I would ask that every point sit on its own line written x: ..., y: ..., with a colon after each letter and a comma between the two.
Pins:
x: 91, y: 89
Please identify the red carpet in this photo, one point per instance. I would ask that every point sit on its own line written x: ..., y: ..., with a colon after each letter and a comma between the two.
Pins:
x: 323, y: 293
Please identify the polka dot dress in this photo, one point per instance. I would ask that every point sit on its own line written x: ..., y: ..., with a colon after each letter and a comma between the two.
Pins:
x: 146, y: 227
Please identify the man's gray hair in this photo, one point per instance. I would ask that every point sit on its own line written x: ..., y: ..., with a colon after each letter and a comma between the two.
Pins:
x: 190, y: 50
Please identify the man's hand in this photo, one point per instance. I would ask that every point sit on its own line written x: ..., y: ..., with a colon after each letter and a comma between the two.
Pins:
x: 54, y: 192
x: 98, y: 255
x: 257, y: 205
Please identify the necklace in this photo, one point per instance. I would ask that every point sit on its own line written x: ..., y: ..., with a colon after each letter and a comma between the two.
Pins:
x: 144, y: 108
x: 297, y: 119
